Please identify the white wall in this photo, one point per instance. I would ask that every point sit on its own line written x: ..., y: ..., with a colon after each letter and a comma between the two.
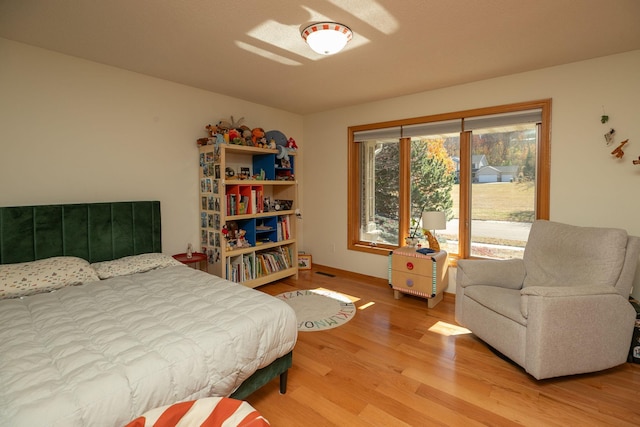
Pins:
x: 77, y: 131
x: 74, y: 131
x: 588, y: 186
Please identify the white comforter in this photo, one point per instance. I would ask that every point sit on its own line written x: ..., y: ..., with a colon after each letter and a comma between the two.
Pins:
x: 102, y: 353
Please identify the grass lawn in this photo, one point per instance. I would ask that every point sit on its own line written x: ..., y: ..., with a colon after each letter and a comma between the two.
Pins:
x: 500, y: 201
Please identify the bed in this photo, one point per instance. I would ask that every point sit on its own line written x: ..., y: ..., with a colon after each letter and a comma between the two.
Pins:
x: 132, y: 330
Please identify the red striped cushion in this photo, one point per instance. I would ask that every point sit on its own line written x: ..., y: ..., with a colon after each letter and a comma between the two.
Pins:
x: 207, y: 412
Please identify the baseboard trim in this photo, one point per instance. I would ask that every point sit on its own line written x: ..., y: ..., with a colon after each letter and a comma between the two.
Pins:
x: 346, y: 273
x: 319, y: 268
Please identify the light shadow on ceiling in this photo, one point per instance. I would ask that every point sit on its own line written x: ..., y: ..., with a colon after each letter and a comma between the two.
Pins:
x: 276, y: 36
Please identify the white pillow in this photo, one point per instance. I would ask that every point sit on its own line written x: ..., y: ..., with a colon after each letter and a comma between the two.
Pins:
x: 44, y: 275
x: 133, y: 264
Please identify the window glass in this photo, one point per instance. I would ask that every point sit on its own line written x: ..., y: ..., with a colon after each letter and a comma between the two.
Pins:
x: 503, y: 190
x: 434, y: 174
x: 380, y: 202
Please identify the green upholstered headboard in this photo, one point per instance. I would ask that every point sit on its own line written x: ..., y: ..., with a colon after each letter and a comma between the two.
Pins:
x: 93, y: 231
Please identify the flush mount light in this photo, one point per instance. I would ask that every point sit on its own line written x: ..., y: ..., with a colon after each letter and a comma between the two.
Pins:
x: 327, y: 38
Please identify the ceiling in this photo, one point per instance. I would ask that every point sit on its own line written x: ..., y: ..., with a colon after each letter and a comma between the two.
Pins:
x: 252, y: 49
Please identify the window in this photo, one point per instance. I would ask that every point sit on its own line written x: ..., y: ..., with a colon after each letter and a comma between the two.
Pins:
x: 487, y: 169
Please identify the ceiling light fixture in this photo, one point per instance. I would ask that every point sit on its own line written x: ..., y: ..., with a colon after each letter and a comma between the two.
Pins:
x: 327, y: 38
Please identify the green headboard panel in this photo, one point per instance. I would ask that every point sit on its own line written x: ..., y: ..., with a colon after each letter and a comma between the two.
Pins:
x: 93, y: 231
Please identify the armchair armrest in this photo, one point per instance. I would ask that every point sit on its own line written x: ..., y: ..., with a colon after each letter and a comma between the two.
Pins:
x: 502, y: 273
x: 569, y: 294
x: 575, y: 329
x: 568, y: 291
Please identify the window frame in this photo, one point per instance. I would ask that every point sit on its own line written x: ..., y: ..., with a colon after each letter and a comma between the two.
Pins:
x: 543, y: 174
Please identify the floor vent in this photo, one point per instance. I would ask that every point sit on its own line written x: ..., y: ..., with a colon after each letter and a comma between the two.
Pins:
x: 325, y: 274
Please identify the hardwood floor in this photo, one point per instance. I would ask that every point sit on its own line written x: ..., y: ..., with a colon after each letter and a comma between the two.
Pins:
x: 398, y: 363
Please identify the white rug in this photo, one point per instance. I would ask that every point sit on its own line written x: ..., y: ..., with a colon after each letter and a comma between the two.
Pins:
x: 319, y: 309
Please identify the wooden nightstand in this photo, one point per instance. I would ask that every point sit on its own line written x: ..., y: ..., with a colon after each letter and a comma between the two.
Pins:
x: 417, y: 274
x: 195, y: 257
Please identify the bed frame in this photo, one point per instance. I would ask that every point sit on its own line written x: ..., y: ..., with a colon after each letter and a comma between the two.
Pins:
x: 100, y: 232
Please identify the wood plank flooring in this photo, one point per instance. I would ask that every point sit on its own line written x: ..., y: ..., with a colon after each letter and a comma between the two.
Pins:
x: 399, y: 363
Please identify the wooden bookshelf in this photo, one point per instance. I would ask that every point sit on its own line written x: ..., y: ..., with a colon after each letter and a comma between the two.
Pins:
x: 248, y: 199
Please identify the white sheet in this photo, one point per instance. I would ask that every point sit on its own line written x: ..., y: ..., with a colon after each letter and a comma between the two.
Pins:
x: 103, y: 353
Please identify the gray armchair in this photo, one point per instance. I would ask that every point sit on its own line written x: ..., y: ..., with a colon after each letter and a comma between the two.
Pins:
x: 561, y: 310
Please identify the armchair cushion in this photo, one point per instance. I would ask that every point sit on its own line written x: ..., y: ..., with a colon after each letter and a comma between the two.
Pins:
x: 503, y: 273
x: 503, y: 301
x: 566, y: 255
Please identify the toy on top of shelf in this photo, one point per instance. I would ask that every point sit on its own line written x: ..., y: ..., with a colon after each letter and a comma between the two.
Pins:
x: 247, y: 135
x: 256, y: 135
x: 231, y: 124
x: 212, y: 129
x: 223, y: 125
x: 277, y: 136
x: 234, y: 132
x: 237, y: 124
x: 234, y: 136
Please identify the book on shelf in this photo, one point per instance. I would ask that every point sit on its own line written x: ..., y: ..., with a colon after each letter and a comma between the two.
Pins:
x: 243, y: 205
x: 284, y: 230
x: 254, y: 205
x: 259, y: 201
x: 275, y: 260
x: 248, y: 268
x: 239, y: 271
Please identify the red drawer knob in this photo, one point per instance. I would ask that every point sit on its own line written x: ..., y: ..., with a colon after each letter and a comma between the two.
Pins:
x: 409, y: 266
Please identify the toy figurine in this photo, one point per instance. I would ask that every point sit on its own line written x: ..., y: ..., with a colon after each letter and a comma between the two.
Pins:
x: 256, y: 135
x: 219, y: 139
x: 608, y: 137
x: 241, y: 240
x: 618, y: 151
x: 212, y: 129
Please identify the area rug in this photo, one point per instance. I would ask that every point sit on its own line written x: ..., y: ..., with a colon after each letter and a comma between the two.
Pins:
x: 319, y: 309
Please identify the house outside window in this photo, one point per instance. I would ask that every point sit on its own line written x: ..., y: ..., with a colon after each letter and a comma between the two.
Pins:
x: 487, y: 169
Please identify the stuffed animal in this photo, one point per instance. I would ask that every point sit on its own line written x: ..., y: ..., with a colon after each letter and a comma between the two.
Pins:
x: 291, y: 144
x: 223, y: 125
x: 277, y: 136
x: 212, y: 129
x: 256, y: 135
x: 233, y: 134
x: 247, y: 135
x: 219, y: 139
x: 283, y: 153
x: 236, y: 124
x: 242, y: 241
